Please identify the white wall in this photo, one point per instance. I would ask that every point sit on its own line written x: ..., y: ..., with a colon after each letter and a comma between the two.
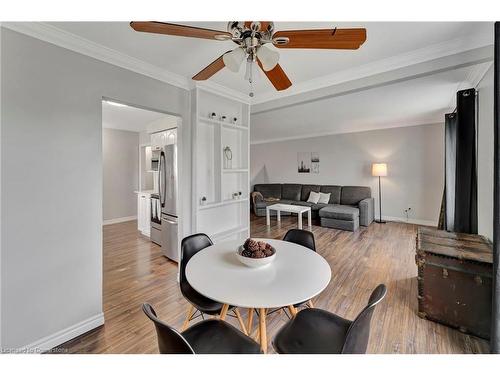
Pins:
x: 51, y: 181
x: 485, y: 155
x: 120, y: 157
x: 415, y: 158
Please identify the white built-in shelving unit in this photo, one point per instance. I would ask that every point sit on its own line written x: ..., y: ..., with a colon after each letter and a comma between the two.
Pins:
x: 221, y: 216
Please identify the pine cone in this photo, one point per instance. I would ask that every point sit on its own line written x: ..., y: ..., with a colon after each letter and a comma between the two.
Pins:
x: 245, y: 245
x: 259, y: 254
x: 253, y: 245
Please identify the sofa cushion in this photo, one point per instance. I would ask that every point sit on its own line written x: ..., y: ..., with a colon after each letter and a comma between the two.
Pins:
x: 313, y: 197
x: 339, y: 212
x: 306, y: 190
x: 264, y: 204
x: 351, y: 195
x: 318, y: 206
x: 286, y: 201
x: 291, y: 191
x: 324, y: 197
x: 268, y: 190
x: 302, y: 203
x: 334, y: 191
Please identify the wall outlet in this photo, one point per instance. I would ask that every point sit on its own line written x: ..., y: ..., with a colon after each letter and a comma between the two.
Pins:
x: 407, y: 212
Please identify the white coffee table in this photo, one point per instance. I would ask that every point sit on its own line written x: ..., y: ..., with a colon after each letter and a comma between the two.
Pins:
x: 299, y: 210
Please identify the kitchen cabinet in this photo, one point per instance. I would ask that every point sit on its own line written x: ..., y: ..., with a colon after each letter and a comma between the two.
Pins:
x: 160, y: 139
x: 144, y: 212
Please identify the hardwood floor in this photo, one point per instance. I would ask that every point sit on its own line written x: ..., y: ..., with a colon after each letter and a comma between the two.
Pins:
x: 136, y: 272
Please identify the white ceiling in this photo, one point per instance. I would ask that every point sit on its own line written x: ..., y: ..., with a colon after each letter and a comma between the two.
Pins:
x: 128, y: 118
x: 417, y: 101
x: 187, y: 56
x: 417, y: 68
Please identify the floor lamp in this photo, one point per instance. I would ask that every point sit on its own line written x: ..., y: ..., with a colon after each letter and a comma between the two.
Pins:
x: 379, y: 170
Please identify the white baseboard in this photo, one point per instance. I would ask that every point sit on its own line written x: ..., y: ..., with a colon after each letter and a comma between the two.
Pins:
x: 51, y: 341
x: 409, y: 221
x: 119, y: 220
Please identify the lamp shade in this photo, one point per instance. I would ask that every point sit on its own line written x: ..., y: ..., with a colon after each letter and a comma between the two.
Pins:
x: 234, y: 59
x: 379, y: 169
x: 268, y: 58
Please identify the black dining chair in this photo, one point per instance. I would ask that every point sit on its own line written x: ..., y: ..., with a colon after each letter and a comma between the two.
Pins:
x: 210, y: 336
x: 200, y: 304
x: 301, y: 237
x: 304, y: 238
x: 315, y: 331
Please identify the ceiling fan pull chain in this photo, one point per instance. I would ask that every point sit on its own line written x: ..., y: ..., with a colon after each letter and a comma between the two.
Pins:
x: 251, y: 84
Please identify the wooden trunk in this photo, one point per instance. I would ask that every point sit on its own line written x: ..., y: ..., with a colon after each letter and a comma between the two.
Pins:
x: 455, y: 280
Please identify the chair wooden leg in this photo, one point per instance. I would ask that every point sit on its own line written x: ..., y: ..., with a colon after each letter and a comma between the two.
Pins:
x: 262, y: 330
x: 188, y: 317
x: 250, y: 321
x: 240, y: 320
x: 223, y: 312
x: 292, y: 310
x: 310, y: 303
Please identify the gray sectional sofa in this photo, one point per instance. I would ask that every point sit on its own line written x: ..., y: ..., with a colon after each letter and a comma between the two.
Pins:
x: 348, y: 207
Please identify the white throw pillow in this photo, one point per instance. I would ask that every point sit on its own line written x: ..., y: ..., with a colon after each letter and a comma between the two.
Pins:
x: 324, y: 198
x: 313, y: 197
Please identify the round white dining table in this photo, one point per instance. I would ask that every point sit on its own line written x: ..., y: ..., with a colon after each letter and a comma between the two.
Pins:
x: 297, y: 274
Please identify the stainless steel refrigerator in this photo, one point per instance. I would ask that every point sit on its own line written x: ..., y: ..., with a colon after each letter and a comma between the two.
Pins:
x: 167, y: 186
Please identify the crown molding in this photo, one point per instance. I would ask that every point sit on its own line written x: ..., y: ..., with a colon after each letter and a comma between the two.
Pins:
x: 432, y: 52
x: 64, y: 39
x: 339, y: 132
x: 222, y: 90
x: 474, y: 77
x: 75, y: 43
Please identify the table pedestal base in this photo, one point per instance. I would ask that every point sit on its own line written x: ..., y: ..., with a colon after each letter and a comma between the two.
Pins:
x: 260, y: 333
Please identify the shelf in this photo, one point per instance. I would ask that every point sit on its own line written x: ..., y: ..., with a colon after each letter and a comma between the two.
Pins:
x: 221, y: 215
x: 230, y: 232
x: 233, y: 126
x: 223, y: 203
x: 231, y: 201
x: 235, y: 170
x: 222, y: 123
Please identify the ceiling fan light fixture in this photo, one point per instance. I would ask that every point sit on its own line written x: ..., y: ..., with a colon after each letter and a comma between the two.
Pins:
x: 268, y: 58
x: 234, y: 59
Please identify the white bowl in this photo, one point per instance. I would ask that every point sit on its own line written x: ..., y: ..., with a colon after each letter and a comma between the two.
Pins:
x: 255, y: 262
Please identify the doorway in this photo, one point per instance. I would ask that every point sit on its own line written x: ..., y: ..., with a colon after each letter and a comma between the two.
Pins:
x: 141, y: 172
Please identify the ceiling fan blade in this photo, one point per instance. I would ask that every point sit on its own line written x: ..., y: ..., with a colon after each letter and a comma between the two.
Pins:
x: 322, y: 38
x: 210, y: 70
x: 277, y: 77
x: 179, y: 30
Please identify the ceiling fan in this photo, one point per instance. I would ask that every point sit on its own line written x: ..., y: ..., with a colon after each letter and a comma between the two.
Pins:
x: 251, y: 37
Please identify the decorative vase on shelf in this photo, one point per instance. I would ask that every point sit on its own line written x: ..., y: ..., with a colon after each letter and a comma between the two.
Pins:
x: 212, y: 115
x: 228, y: 157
